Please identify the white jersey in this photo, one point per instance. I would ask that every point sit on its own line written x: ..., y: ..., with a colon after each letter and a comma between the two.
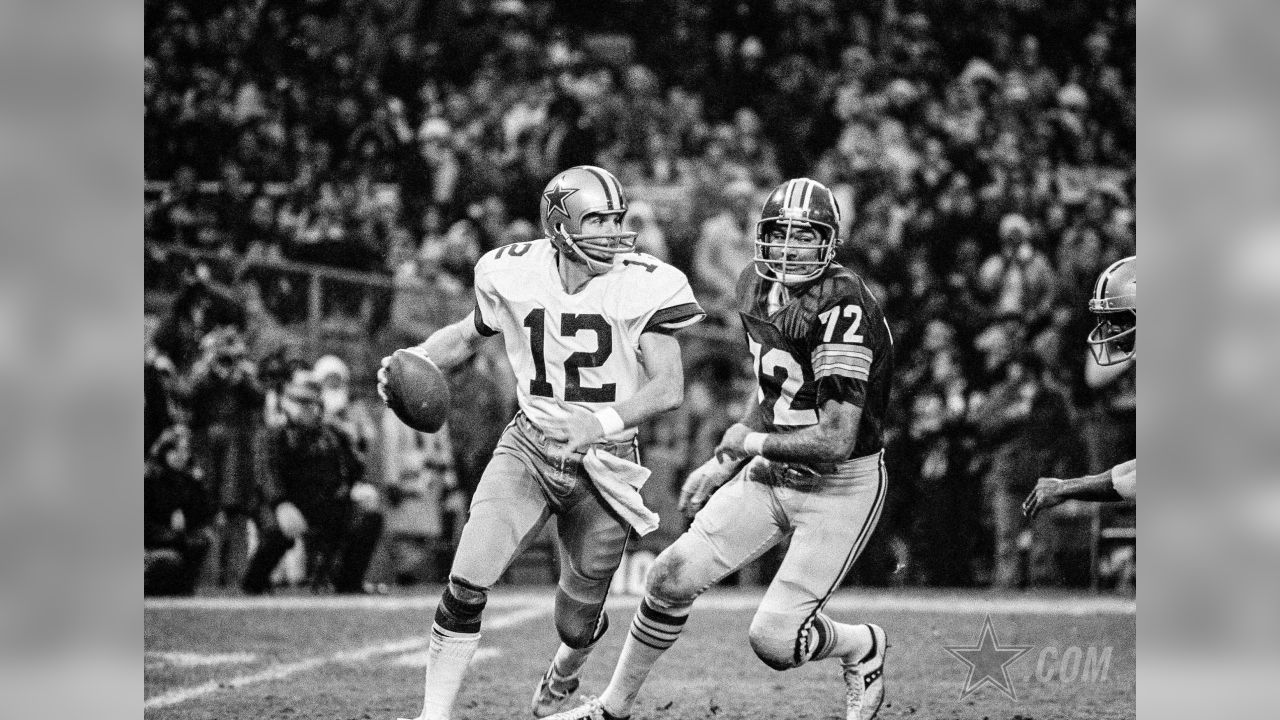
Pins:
x: 1124, y: 478
x: 583, y: 348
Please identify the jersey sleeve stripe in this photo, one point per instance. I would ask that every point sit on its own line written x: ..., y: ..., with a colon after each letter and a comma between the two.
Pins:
x: 481, y: 327
x: 827, y: 369
x: 676, y: 317
x: 855, y: 353
x: 859, y: 366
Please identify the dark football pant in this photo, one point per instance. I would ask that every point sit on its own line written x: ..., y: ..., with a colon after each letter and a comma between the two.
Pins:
x: 339, y: 550
x: 174, y: 569
x: 520, y: 490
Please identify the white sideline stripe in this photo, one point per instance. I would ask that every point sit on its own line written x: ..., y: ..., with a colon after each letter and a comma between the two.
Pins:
x: 194, y: 659
x: 284, y: 670
x: 966, y: 603
x: 337, y: 602
x: 419, y: 658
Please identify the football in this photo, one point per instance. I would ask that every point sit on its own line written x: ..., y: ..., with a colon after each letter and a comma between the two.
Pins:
x: 417, y: 391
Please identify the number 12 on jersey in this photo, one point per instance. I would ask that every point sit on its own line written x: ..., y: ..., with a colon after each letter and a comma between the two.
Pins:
x: 571, y: 324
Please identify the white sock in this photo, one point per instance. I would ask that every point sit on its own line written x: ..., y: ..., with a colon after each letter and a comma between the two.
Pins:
x: 850, y: 643
x: 652, y: 632
x: 448, y: 656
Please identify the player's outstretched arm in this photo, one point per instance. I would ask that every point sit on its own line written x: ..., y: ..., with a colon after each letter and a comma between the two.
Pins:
x: 1115, y: 484
x: 831, y: 440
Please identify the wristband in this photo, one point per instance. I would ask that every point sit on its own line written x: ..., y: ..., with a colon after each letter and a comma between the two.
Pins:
x: 753, y: 443
x: 610, y: 420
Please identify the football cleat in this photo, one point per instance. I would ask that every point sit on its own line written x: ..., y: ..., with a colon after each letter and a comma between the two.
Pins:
x: 592, y: 709
x: 864, y: 680
x: 552, y: 693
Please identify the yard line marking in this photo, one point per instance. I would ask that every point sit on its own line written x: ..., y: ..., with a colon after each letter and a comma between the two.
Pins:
x: 336, y: 602
x: 419, y: 658
x: 284, y: 670
x: 959, y: 603
x: 195, y: 659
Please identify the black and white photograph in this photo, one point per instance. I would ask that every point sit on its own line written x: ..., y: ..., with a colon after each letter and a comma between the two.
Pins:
x: 661, y: 360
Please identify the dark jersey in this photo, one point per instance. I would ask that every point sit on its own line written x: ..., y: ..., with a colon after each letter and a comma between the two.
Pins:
x: 828, y: 341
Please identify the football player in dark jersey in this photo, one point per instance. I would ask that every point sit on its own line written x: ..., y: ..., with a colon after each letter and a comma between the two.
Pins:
x: 806, y: 461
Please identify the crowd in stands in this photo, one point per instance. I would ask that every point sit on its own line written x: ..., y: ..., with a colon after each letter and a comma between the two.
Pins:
x: 983, y: 151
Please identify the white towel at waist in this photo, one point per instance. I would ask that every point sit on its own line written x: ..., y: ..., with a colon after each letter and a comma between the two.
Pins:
x: 620, y: 481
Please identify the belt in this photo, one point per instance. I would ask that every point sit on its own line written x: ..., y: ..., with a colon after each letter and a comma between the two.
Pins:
x: 527, y: 426
x: 811, y: 475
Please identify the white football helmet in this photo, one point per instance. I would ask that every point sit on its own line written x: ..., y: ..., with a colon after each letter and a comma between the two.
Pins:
x: 571, y: 196
x: 1115, y: 304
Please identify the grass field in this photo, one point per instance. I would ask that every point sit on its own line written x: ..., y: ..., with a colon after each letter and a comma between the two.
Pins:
x: 303, y: 656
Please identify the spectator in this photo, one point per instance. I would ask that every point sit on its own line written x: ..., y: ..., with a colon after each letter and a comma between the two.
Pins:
x: 1023, y: 421
x: 157, y: 379
x: 226, y: 403
x: 178, y: 514
x: 642, y: 220
x: 342, y: 410
x: 312, y: 490
x: 1018, y: 278
x: 418, y: 473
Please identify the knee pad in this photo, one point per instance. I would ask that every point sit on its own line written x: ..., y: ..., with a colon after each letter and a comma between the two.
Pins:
x: 461, y: 606
x: 666, y: 584
x: 777, y: 640
x: 579, y: 624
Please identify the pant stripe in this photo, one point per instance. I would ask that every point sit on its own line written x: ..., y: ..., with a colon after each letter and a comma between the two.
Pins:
x: 802, y: 652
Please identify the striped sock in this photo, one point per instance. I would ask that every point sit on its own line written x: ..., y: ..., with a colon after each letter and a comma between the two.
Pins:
x: 828, y: 637
x: 652, y: 631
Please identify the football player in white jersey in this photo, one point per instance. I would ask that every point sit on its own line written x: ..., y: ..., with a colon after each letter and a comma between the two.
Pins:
x: 805, y: 461
x: 1113, y: 342
x: 588, y: 326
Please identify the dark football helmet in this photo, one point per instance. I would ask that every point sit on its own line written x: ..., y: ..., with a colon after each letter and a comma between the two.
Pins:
x: 796, y: 204
x: 1115, y: 304
x: 570, y: 197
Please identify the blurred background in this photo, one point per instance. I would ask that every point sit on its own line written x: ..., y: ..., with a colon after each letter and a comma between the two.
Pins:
x: 322, y: 176
x: 75, y: 169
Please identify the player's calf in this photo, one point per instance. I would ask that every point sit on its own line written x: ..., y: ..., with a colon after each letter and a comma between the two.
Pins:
x: 455, y: 635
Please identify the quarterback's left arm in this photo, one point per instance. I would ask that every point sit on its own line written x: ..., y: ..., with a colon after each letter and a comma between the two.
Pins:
x: 1113, y: 485
x: 662, y: 391
x: 831, y: 440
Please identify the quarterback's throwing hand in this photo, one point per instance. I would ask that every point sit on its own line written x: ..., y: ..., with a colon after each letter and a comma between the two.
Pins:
x: 383, y: 379
x: 1045, y: 496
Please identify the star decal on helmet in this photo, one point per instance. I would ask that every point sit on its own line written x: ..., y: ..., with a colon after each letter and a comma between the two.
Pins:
x: 555, y: 198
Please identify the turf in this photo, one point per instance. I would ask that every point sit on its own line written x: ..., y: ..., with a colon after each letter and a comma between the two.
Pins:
x: 330, y: 659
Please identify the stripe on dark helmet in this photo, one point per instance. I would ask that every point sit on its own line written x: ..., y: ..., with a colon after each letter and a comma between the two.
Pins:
x: 786, y: 194
x: 808, y: 193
